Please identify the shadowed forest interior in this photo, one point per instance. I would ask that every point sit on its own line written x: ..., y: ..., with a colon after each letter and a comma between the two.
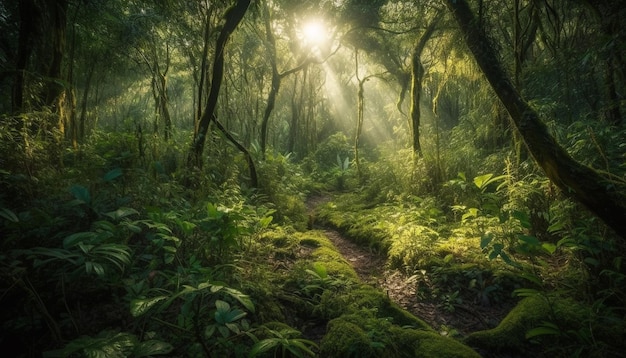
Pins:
x: 333, y: 178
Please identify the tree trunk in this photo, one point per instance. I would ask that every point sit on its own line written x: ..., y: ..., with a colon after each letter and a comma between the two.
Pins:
x: 276, y: 79
x: 583, y: 184
x: 417, y: 75
x: 233, y: 16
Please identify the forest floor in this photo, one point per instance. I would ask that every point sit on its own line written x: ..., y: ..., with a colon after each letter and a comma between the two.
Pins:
x: 456, y: 319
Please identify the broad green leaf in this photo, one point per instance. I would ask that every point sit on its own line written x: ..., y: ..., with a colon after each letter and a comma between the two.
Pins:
x: 141, y: 305
x: 152, y: 347
x: 222, y: 306
x: 212, y: 211
x: 242, y: 298
x: 485, y: 240
x: 233, y: 327
x: 482, y: 180
x: 471, y: 213
x: 121, y: 213
x: 505, y: 257
x: 81, y: 193
x: 112, y: 174
x: 264, y: 346
x: 9, y: 215
x: 209, y: 330
x: 79, y: 237
x: 529, y: 240
x: 549, y: 247
x: 224, y: 331
x: 523, y: 218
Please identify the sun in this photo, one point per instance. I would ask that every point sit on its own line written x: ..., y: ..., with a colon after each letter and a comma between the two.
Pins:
x: 314, y: 32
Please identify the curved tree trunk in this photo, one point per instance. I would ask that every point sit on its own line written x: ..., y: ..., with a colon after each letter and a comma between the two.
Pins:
x: 583, y: 184
x: 417, y: 76
x: 276, y: 78
x: 233, y: 16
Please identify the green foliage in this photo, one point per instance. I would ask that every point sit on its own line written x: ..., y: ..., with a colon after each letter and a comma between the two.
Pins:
x: 284, y: 342
x: 284, y: 186
x: 111, y: 344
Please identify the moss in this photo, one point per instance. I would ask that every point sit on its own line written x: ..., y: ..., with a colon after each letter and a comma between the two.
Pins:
x: 363, y: 335
x: 510, y: 334
x: 369, y: 297
x: 428, y: 344
x: 345, y: 339
x: 310, y: 242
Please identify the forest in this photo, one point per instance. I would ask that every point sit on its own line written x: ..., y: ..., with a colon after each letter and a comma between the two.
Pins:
x: 332, y: 178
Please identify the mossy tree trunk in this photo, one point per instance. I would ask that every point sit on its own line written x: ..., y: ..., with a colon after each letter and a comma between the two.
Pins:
x: 583, y: 184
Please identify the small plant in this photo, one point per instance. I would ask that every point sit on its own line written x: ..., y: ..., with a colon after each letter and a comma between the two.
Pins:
x: 284, y: 343
x: 343, y: 166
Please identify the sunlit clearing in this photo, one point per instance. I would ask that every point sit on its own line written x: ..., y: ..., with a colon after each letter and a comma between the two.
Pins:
x: 314, y: 32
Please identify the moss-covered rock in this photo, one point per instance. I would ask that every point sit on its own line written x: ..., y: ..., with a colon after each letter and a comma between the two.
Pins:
x: 510, y: 335
x: 362, y: 334
x: 346, y: 339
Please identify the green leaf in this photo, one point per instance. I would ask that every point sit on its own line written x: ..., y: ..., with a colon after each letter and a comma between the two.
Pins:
x: 222, y: 306
x: 241, y: 297
x: 525, y: 292
x: 79, y: 237
x: 81, y: 194
x: 140, y: 306
x: 523, y: 218
x: 9, y: 215
x: 547, y: 328
x: 531, y: 277
x: 263, y: 346
x: 471, y: 213
x: 209, y: 331
x: 549, y: 247
x: 591, y: 261
x: 529, y: 240
x: 121, y: 213
x: 485, y: 240
x: 224, y: 331
x: 152, y: 347
x: 112, y: 174
x: 482, y: 180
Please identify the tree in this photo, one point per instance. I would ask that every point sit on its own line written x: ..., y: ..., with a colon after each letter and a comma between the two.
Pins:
x: 233, y: 16
x: 600, y: 194
x: 417, y: 75
x: 277, y: 77
x: 41, y: 49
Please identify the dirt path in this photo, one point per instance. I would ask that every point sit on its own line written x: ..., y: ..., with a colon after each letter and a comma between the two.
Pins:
x: 371, y: 268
